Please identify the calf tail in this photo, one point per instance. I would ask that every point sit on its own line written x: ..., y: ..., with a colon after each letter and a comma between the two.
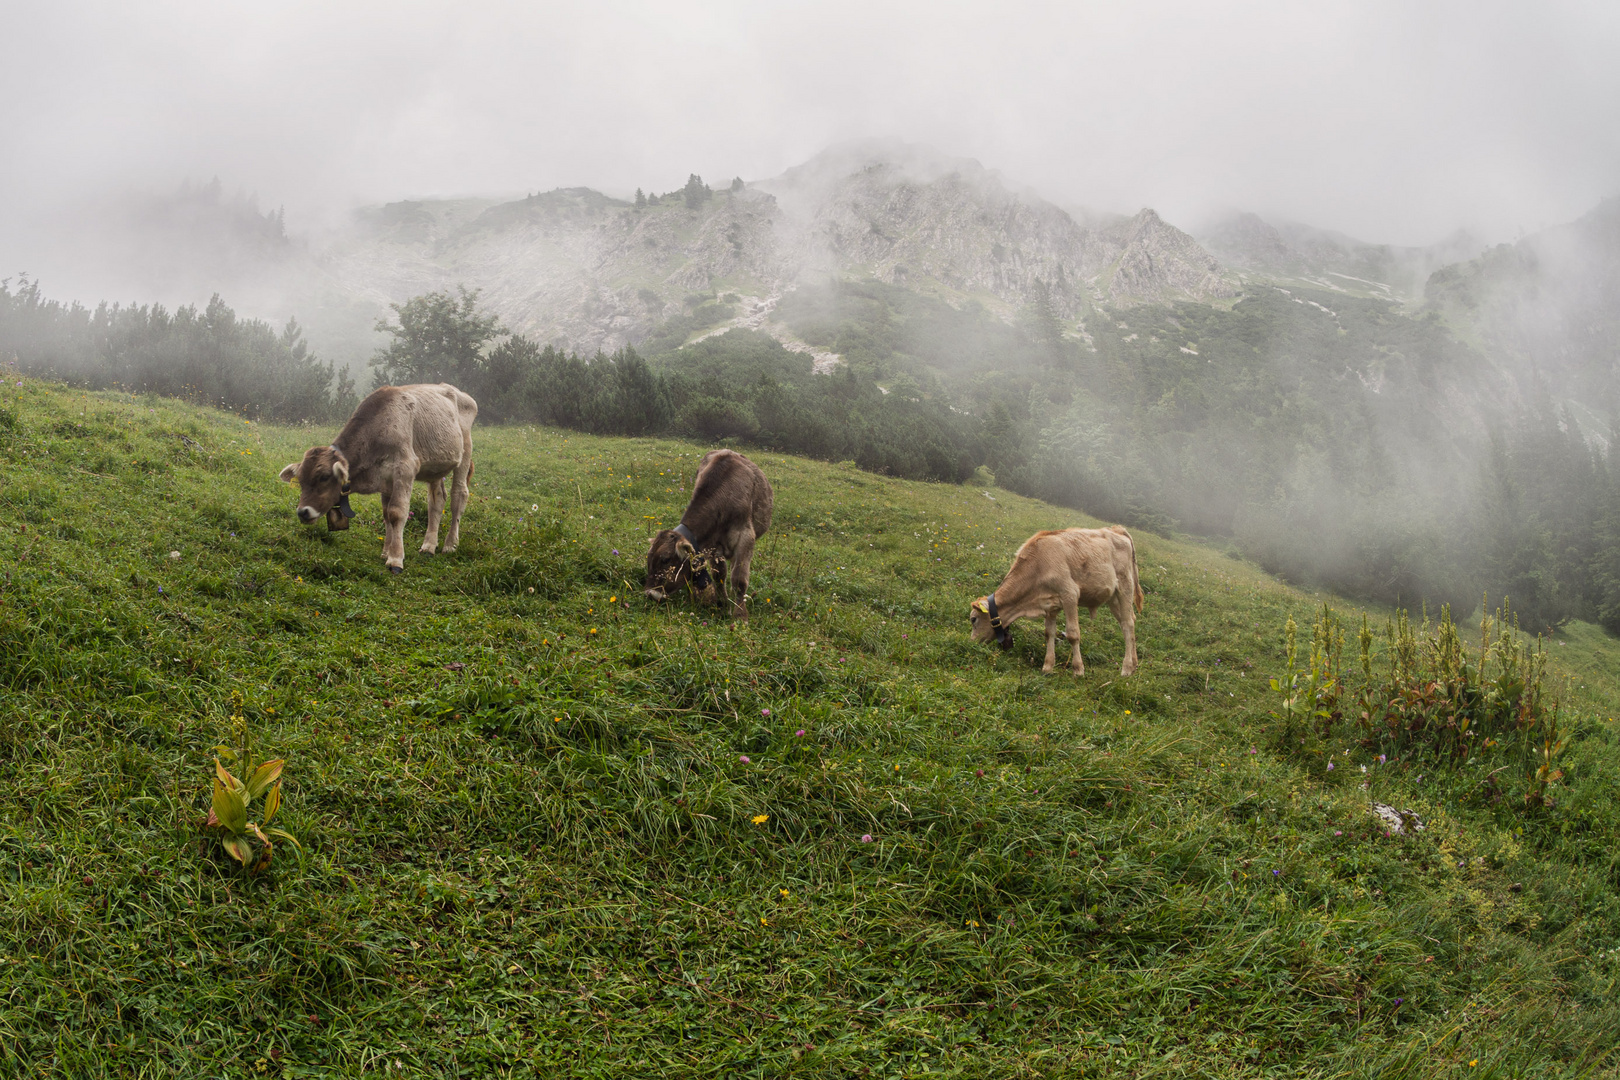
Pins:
x: 1136, y: 576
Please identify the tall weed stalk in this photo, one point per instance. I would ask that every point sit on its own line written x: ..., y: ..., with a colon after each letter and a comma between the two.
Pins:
x: 1433, y: 697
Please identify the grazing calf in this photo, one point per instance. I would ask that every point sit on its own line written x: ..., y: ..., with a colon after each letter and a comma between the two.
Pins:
x: 398, y: 435
x: 1070, y: 569
x: 730, y: 509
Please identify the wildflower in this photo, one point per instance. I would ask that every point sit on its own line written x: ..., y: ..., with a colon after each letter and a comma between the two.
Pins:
x: 867, y: 838
x: 897, y: 768
x: 1471, y: 1064
x: 1276, y: 873
x: 1338, y: 832
x: 762, y: 921
x: 1252, y: 750
x: 615, y: 551
x: 1330, y: 765
x: 1127, y: 712
x: 767, y: 712
x: 613, y: 599
x: 534, y: 506
x: 744, y: 760
x: 978, y: 772
x: 784, y: 893
x: 556, y: 719
x: 973, y: 923
x: 760, y: 819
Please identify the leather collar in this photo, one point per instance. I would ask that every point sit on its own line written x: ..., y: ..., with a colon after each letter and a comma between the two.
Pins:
x: 1003, y: 635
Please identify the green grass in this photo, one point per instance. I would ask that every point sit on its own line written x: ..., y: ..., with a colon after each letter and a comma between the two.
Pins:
x: 543, y: 861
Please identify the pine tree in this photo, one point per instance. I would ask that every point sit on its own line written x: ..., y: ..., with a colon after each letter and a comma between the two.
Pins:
x: 641, y: 199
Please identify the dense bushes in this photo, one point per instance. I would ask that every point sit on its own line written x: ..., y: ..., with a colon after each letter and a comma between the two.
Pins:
x: 739, y: 386
x: 208, y: 356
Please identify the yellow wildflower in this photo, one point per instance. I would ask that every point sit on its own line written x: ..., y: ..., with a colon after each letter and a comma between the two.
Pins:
x: 760, y: 819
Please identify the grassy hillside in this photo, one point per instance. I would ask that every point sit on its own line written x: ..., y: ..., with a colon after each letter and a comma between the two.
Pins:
x: 550, y: 830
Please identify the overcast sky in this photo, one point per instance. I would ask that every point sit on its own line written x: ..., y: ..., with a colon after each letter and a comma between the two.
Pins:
x: 1395, y: 122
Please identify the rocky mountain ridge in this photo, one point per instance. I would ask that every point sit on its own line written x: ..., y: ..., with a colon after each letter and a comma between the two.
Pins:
x: 586, y: 271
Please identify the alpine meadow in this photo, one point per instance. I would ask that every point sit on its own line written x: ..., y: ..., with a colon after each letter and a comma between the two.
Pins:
x: 546, y: 828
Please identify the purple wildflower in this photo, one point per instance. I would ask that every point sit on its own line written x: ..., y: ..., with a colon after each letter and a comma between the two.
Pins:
x: 866, y: 839
x: 799, y: 734
x: 1330, y: 765
x: 764, y: 712
x: 615, y: 551
x: 1275, y: 873
x: 1338, y: 832
x: 744, y: 760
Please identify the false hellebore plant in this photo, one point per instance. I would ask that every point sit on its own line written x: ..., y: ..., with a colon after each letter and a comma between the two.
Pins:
x: 245, y: 841
x: 248, y: 842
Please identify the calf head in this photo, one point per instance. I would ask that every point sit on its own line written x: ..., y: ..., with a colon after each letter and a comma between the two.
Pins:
x: 983, y: 626
x: 321, y: 478
x: 672, y: 564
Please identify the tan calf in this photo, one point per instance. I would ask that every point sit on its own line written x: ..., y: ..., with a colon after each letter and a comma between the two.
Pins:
x: 397, y: 436
x: 1068, y: 570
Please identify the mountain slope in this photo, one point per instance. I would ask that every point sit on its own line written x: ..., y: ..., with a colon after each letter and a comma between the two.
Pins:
x: 550, y: 828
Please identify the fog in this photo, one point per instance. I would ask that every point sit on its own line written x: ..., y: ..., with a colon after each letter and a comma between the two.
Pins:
x: 1392, y: 122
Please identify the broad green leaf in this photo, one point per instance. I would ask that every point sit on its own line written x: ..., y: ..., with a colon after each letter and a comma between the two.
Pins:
x: 238, y: 848
x: 226, y: 778
x: 230, y: 755
x: 272, y: 803
x: 264, y: 776
x: 289, y: 837
x: 229, y: 808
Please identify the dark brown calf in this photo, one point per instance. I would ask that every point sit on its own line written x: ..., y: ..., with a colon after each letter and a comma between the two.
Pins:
x: 730, y: 510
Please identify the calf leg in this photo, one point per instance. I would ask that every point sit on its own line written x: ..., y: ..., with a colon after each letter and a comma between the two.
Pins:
x: 435, y: 511
x: 739, y: 575
x: 460, y: 486
x: 1071, y: 615
x: 1051, y: 643
x: 396, y: 500
x: 1126, y: 614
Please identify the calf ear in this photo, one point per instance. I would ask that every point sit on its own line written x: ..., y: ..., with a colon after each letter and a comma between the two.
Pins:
x: 978, y: 605
x: 340, y: 470
x: 290, y: 473
x: 684, y: 549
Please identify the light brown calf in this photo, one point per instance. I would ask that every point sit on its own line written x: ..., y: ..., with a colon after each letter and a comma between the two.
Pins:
x: 397, y: 436
x: 1066, y: 570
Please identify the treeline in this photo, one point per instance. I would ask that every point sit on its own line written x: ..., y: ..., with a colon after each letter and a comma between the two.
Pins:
x: 1336, y: 441
x: 208, y: 356
x: 740, y: 386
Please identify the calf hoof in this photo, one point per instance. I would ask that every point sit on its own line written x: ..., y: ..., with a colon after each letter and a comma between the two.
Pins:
x: 396, y: 569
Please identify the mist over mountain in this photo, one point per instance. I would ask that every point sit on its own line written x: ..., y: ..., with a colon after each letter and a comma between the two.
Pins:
x: 1405, y: 423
